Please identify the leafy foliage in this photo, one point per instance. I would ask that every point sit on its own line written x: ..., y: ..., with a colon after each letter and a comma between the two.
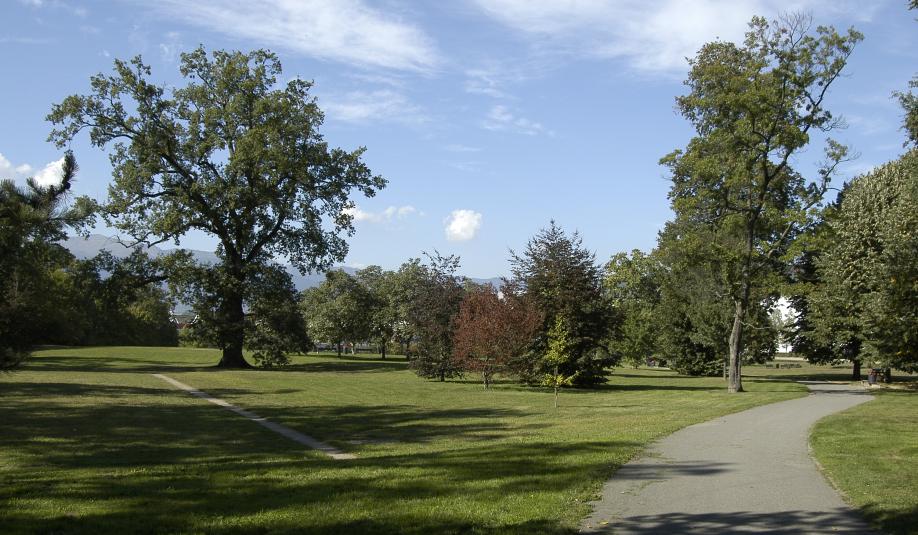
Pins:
x: 233, y: 154
x: 870, y: 269
x: 633, y: 286
x: 337, y: 310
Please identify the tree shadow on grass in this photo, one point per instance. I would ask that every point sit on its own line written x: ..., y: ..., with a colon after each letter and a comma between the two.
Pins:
x: 781, y: 523
x: 347, y: 366
x: 160, y: 466
x: 113, y: 364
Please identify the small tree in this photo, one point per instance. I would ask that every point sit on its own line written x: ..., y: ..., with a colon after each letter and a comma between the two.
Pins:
x: 491, y: 328
x: 562, y: 279
x: 560, y: 346
x: 432, y: 313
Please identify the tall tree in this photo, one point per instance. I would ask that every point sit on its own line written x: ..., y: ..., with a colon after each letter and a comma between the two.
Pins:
x: 233, y: 154
x: 492, y: 328
x: 562, y: 279
x: 869, y: 271
x: 754, y: 106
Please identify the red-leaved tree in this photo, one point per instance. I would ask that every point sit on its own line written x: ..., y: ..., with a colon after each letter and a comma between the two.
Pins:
x: 492, y: 328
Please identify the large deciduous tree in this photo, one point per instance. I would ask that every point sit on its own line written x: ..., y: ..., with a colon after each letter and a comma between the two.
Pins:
x: 754, y: 106
x: 232, y: 153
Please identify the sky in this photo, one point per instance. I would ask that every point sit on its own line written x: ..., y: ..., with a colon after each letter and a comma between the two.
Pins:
x: 489, y: 118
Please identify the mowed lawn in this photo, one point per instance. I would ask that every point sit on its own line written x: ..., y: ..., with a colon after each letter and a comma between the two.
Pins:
x: 91, y: 442
x: 871, y: 453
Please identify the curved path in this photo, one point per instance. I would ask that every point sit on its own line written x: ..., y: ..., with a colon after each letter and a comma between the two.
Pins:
x: 748, y: 472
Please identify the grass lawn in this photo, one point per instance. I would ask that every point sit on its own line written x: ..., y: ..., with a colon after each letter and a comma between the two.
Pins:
x: 871, y: 453
x: 91, y: 442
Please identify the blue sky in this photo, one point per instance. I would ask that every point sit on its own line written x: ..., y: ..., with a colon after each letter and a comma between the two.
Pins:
x: 488, y: 117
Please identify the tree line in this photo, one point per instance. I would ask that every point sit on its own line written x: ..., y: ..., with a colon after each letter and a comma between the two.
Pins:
x: 239, y: 156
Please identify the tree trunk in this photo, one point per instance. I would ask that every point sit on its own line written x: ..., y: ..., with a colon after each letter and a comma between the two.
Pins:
x: 234, y: 332
x: 735, y: 377
x: 856, y: 372
x: 556, y: 386
x: 338, y: 347
x: 383, y: 352
x: 887, y: 375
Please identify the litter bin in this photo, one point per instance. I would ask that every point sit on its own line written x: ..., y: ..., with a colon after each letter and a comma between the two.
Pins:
x: 872, y: 377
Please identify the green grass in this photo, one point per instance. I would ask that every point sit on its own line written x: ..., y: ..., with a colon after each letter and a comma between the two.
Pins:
x: 870, y: 452
x: 92, y: 442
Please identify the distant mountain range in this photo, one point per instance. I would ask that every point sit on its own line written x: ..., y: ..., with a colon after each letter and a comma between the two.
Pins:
x: 95, y: 243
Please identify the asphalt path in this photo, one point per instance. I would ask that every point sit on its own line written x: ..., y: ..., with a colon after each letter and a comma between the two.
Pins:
x: 748, y: 472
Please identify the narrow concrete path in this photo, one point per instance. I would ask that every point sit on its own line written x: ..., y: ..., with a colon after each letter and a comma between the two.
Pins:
x: 295, y: 436
x: 748, y: 472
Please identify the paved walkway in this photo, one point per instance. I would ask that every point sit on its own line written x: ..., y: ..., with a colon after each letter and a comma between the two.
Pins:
x: 748, y: 472
x: 293, y: 435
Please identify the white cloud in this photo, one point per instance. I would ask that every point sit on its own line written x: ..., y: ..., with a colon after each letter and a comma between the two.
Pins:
x: 462, y: 225
x: 390, y: 213
x: 51, y: 174
x: 338, y: 30
x: 380, y: 105
x: 651, y: 36
x: 501, y: 118
x: 48, y: 175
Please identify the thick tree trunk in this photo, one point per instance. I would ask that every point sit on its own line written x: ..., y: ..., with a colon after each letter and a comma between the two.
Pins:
x: 734, y: 372
x: 856, y: 372
x: 234, y: 325
x: 338, y: 347
x: 383, y: 352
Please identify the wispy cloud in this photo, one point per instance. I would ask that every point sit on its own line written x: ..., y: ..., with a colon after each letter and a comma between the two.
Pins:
x: 457, y: 147
x: 462, y: 225
x: 25, y: 40
x: 501, y: 118
x: 170, y: 47
x: 346, y: 31
x: 368, y: 106
x: 651, y: 36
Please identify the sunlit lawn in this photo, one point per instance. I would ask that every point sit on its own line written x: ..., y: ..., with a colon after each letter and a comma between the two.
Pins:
x: 92, y: 442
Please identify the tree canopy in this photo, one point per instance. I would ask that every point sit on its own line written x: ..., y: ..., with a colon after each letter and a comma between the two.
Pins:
x: 232, y: 153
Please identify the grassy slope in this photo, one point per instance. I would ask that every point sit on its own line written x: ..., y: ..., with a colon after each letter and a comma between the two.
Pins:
x: 92, y: 442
